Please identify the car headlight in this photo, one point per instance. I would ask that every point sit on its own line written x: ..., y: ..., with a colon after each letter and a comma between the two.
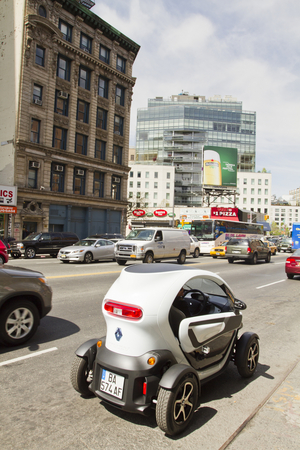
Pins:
x: 44, y: 280
x: 20, y: 245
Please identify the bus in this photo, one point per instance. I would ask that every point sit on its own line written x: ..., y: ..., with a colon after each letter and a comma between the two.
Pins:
x: 212, y: 232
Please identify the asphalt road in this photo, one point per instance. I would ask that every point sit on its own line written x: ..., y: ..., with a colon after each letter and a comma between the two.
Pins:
x: 40, y: 409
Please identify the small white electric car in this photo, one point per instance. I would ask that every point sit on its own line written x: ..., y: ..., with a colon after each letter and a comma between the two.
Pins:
x: 170, y: 328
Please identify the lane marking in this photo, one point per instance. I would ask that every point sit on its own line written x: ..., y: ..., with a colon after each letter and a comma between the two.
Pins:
x: 10, y: 361
x: 83, y: 274
x: 270, y: 284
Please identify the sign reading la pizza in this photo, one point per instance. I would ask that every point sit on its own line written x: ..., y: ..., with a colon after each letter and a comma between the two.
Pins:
x: 160, y: 213
x: 8, y: 195
x: 138, y: 212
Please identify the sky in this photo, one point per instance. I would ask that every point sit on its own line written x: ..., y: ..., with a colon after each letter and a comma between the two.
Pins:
x: 247, y: 49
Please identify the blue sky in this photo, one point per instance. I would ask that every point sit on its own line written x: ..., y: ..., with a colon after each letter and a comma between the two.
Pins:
x: 247, y: 49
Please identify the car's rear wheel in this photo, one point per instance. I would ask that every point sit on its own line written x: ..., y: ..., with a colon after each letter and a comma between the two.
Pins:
x: 88, y: 258
x: 268, y: 258
x: 230, y: 260
x: 254, y: 259
x: 2, y: 259
x: 30, y: 253
x: 148, y: 259
x: 175, y: 407
x: 18, y: 322
x: 182, y: 257
x: 290, y: 276
x: 80, y: 376
x: 247, y: 354
x: 196, y: 253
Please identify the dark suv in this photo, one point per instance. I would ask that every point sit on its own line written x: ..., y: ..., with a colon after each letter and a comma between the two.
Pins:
x: 250, y: 250
x: 42, y: 243
x: 25, y: 297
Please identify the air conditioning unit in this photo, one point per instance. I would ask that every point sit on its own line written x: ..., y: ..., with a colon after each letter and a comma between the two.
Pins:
x: 38, y: 101
x: 116, y: 180
x: 79, y: 172
x: 59, y: 168
x: 63, y: 94
x: 34, y: 165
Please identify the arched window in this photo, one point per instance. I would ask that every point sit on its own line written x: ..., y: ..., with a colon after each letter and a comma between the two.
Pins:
x: 42, y: 11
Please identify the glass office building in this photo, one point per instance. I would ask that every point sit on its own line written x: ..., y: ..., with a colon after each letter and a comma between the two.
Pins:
x: 174, y: 131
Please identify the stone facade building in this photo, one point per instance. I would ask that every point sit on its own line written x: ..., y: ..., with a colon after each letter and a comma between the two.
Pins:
x: 70, y: 85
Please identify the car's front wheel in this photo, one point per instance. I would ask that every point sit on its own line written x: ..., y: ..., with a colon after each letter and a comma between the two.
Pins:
x: 2, y: 259
x: 81, y: 377
x: 18, y: 322
x: 121, y: 262
x: 175, y: 407
x: 30, y: 253
x: 148, y: 259
x: 88, y: 258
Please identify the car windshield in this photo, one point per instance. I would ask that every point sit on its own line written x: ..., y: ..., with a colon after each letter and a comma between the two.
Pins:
x: 32, y: 237
x: 238, y: 242
x: 140, y: 235
x: 86, y: 242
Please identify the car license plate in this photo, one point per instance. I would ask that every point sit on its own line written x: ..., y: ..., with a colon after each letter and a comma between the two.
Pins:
x: 112, y: 384
x: 217, y: 253
x: 62, y: 256
x: 236, y: 251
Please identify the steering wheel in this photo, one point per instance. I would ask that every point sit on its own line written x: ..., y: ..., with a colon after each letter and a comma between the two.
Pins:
x: 201, y: 303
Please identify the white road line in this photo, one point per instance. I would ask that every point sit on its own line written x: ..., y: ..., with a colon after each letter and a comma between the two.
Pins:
x: 270, y: 284
x: 4, y: 363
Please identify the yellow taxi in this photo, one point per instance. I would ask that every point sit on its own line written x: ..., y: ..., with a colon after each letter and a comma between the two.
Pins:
x: 272, y: 247
x: 220, y: 250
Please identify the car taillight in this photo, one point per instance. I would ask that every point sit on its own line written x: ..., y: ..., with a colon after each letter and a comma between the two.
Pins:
x: 290, y: 260
x: 225, y: 248
x: 248, y: 250
x: 123, y: 310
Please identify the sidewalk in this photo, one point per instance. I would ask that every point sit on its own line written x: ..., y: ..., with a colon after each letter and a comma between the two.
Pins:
x: 276, y: 426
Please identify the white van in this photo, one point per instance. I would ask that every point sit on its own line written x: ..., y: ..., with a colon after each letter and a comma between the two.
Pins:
x: 153, y: 244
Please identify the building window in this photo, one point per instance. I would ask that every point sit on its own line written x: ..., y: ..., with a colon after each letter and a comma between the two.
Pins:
x: 35, y: 131
x: 82, y: 111
x: 131, y: 174
x: 245, y: 181
x: 117, y: 154
x: 32, y: 178
x: 40, y: 56
x: 147, y: 184
x: 42, y: 11
x: 121, y: 64
x: 167, y: 185
x: 244, y: 201
x: 104, y: 54
x: 116, y: 187
x: 118, y: 125
x: 100, y: 149
x: 138, y: 184
x: 79, y: 182
x: 63, y: 68
x: 61, y: 105
x: 266, y: 201
x: 60, y: 138
x: 146, y: 194
x: 131, y: 184
x: 57, y: 178
x: 101, y: 119
x: 130, y: 194
x: 120, y: 95
x: 168, y: 196
x: 37, y: 93
x: 168, y: 175
x: 66, y: 30
x: 103, y: 87
x: 147, y: 175
x: 259, y: 191
x: 139, y: 174
x: 252, y: 201
x: 252, y: 181
x: 266, y: 182
x: 155, y: 195
x: 155, y: 174
x: 259, y: 182
x: 252, y: 191
x: 138, y: 195
x: 259, y: 201
x: 86, y: 43
x: 84, y: 79
x: 99, y: 184
x: 245, y: 191
x: 155, y: 185
x: 81, y: 144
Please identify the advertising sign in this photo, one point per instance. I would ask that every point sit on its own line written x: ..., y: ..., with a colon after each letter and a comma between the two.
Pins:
x: 138, y: 212
x: 219, y: 166
x: 224, y: 213
x: 296, y: 235
x: 8, y: 209
x: 8, y: 195
x: 160, y: 213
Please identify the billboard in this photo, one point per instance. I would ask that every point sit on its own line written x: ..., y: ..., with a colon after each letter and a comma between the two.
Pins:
x: 8, y: 195
x: 219, y: 166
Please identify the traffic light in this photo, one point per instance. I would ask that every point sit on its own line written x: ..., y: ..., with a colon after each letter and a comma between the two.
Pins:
x: 177, y: 222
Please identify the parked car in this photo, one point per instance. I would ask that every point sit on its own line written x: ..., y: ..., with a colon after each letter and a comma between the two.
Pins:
x: 249, y: 250
x: 3, y: 253
x: 160, y: 348
x: 114, y: 237
x: 292, y: 264
x: 220, y: 250
x: 25, y: 297
x: 7, y: 241
x: 195, y: 247
x: 272, y: 247
x: 42, y: 243
x: 285, y: 245
x: 88, y: 250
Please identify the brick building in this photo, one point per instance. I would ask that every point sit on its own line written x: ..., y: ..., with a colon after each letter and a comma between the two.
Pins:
x: 66, y: 89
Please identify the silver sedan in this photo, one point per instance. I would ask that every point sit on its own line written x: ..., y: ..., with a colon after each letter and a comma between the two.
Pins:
x: 87, y: 250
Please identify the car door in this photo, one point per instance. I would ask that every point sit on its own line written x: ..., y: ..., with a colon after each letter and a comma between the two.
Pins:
x: 262, y: 249
x: 160, y: 245
x: 56, y: 242
x: 44, y: 244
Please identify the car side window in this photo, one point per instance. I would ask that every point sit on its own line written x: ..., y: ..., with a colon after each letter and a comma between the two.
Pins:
x: 45, y: 237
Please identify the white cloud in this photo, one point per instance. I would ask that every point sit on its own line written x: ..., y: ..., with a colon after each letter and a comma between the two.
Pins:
x: 246, y: 49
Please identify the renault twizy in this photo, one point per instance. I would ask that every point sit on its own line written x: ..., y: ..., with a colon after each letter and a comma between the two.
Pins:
x: 169, y: 329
